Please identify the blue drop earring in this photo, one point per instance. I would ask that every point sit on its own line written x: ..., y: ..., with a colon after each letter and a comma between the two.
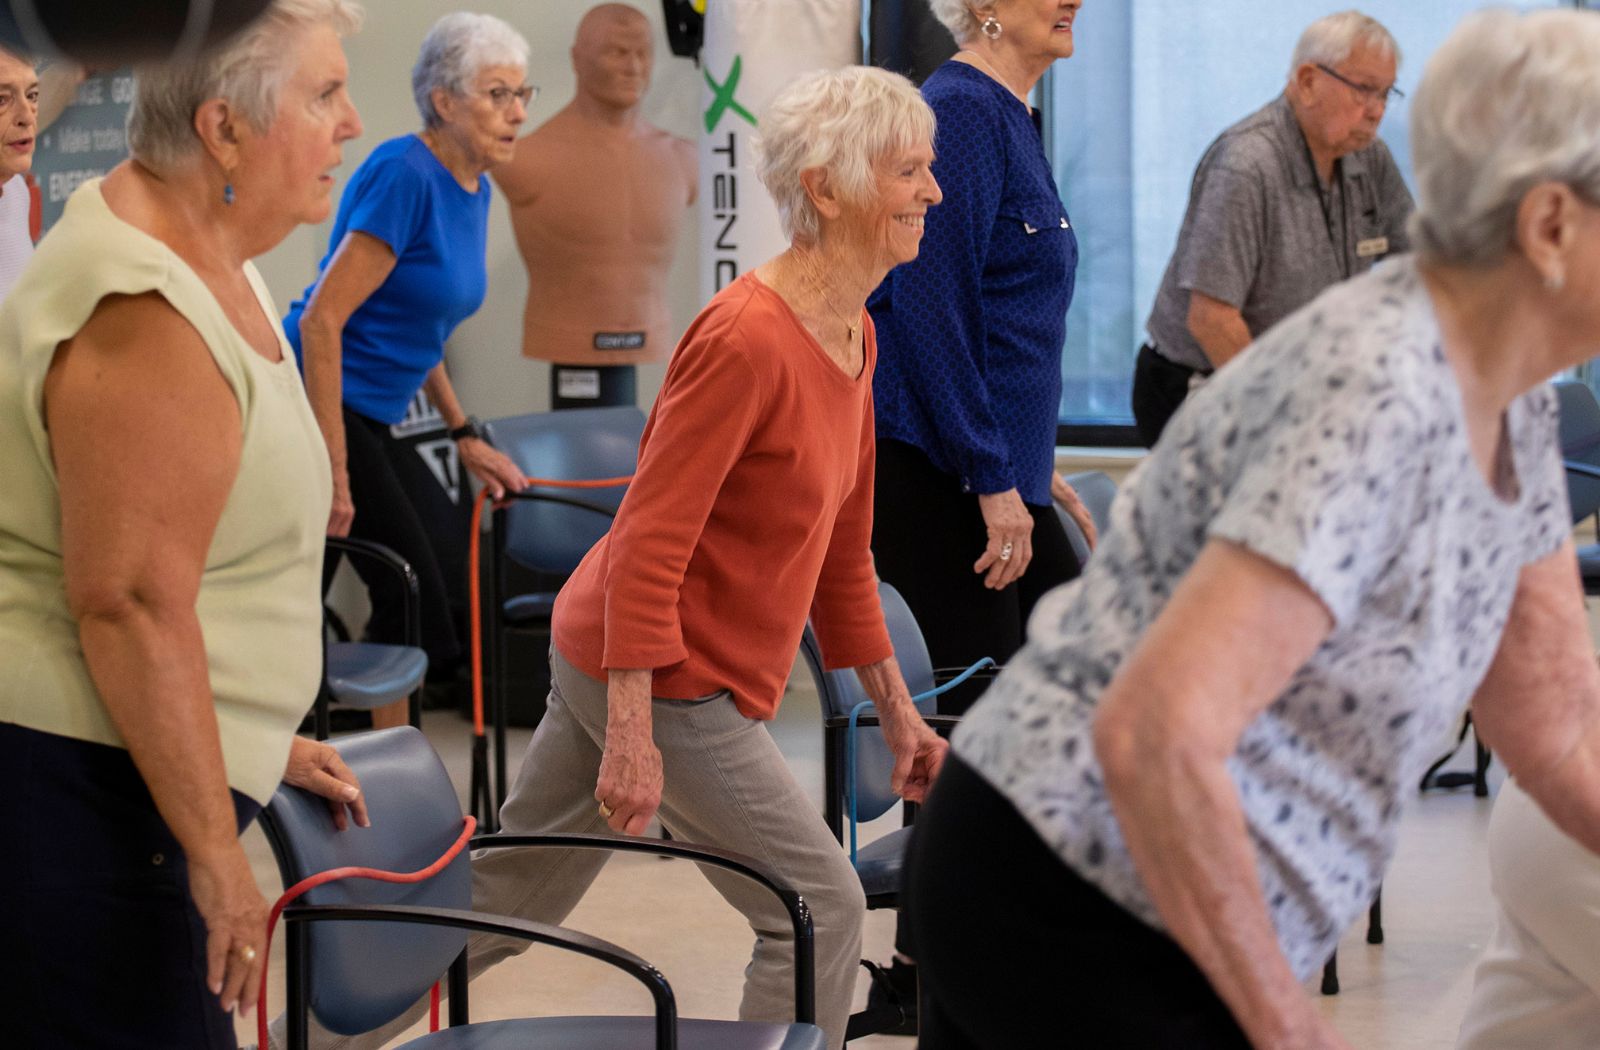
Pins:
x: 227, y: 194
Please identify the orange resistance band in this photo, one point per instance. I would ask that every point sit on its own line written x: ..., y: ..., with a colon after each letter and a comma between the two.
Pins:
x: 335, y: 875
x: 475, y: 603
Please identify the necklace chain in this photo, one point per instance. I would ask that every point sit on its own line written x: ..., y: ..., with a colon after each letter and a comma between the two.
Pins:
x: 822, y: 291
x: 988, y: 68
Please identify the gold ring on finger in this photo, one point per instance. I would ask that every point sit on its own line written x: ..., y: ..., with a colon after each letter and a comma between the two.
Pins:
x: 246, y: 954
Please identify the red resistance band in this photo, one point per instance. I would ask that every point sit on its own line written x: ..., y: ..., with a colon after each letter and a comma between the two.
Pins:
x: 470, y: 825
x: 475, y: 603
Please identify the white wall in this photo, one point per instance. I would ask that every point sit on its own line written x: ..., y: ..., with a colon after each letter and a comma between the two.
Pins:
x: 484, y: 358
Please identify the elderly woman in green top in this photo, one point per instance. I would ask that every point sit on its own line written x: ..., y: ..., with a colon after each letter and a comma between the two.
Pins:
x: 160, y: 551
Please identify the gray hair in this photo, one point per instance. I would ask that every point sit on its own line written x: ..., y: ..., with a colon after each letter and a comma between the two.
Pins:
x: 249, y: 72
x: 1334, y: 38
x: 955, y: 16
x: 457, y: 47
x: 1509, y: 101
x: 843, y: 121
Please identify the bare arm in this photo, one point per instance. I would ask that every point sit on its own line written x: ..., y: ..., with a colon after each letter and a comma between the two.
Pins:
x: 1234, y: 632
x: 919, y: 752
x: 358, y: 268
x: 137, y: 411
x: 1539, y: 705
x: 630, y: 768
x: 489, y: 465
x: 1218, y: 327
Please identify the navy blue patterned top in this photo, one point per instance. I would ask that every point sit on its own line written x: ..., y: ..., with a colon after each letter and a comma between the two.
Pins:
x: 970, y: 332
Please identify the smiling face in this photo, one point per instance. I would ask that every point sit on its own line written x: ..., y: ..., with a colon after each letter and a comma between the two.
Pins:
x: 1339, y: 117
x: 891, y: 219
x: 612, y: 56
x: 483, y: 123
x: 1037, y: 30
x: 292, y: 163
x: 19, y: 113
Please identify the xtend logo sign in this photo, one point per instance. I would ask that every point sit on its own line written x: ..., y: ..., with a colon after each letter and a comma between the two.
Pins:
x: 725, y: 176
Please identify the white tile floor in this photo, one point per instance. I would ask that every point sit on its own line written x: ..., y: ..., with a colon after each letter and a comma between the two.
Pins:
x: 1408, y: 994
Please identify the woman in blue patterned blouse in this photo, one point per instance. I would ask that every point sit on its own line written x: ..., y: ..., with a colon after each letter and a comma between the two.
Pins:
x: 970, y: 336
x: 968, y: 385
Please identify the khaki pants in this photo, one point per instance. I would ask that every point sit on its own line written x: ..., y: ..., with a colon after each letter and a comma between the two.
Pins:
x: 725, y: 785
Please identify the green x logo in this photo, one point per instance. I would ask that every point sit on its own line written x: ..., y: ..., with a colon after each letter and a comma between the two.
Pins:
x: 722, y: 96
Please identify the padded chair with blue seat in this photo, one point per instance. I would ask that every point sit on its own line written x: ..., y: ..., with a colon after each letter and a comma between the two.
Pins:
x: 549, y: 530
x: 360, y: 952
x: 368, y: 675
x: 1580, y: 454
x: 857, y: 764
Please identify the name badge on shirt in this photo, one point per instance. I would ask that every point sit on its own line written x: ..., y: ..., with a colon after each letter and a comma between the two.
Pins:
x: 1371, y: 247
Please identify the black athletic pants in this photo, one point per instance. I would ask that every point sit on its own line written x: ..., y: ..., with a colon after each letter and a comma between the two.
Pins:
x: 1017, y: 951
x: 382, y: 472
x: 926, y: 535
x: 1159, y: 388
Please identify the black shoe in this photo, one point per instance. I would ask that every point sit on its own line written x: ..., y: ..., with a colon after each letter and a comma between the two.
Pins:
x: 891, y: 1002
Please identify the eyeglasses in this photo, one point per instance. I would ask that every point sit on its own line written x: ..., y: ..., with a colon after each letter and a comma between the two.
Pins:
x: 1382, y: 96
x: 500, y: 97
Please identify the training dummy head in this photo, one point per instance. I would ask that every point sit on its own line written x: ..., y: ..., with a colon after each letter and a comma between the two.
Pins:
x: 612, y: 54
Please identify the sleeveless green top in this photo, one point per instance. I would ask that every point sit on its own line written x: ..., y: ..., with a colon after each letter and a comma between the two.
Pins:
x: 259, y: 606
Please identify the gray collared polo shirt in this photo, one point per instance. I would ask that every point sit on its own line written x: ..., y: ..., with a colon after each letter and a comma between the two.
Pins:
x: 1262, y: 233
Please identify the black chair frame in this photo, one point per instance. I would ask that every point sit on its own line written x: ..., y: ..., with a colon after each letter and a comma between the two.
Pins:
x: 296, y: 917
x: 411, y: 621
x: 482, y: 803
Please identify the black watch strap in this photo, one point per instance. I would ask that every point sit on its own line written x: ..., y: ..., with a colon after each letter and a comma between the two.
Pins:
x: 470, y: 429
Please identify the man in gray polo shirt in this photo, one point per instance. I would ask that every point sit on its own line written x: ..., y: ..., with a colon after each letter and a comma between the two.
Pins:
x: 1296, y: 197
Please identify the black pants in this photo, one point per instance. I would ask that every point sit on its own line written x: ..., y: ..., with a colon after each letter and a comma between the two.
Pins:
x: 383, y: 474
x: 1159, y: 388
x: 100, y: 943
x: 1017, y: 951
x: 926, y: 534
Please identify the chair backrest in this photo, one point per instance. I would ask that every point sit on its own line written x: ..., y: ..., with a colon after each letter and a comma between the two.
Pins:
x: 840, y: 691
x: 576, y: 444
x: 1580, y: 442
x: 366, y: 974
x: 1097, y: 491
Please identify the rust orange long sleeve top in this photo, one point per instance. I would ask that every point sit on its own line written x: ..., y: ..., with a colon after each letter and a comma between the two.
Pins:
x: 751, y: 506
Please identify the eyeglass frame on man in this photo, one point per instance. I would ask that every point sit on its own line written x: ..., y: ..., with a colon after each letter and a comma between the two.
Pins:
x: 500, y: 97
x: 1382, y: 96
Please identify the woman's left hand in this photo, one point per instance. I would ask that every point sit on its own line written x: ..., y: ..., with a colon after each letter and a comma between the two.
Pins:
x: 317, y: 767
x: 1067, y: 497
x: 491, y: 466
x: 918, y: 756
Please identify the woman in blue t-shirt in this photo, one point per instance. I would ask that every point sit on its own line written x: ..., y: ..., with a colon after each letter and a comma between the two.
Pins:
x: 406, y: 266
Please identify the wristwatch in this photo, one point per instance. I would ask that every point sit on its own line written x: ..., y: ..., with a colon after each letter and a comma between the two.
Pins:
x: 470, y: 429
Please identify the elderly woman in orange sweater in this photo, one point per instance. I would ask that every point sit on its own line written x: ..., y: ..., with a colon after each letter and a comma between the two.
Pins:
x: 751, y: 508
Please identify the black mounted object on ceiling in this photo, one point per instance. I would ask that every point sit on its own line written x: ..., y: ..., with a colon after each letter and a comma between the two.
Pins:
x: 116, y: 32
x: 686, y: 26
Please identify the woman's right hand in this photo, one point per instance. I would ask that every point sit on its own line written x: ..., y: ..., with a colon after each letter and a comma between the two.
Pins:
x: 1010, y: 546
x: 629, y: 788
x: 343, y: 511
x: 235, y: 915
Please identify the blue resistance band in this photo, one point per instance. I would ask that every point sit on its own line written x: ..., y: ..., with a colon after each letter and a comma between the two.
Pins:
x: 850, y: 741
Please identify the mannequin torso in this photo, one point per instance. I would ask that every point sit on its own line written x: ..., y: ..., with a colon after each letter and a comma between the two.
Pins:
x: 597, y: 210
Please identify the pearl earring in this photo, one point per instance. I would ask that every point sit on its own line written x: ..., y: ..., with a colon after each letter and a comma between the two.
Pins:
x: 991, y: 27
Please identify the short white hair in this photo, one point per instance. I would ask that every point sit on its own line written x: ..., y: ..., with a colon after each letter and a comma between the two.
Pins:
x: 1334, y: 38
x: 248, y: 72
x: 1509, y: 101
x: 843, y: 121
x: 956, y: 16
x: 456, y: 49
